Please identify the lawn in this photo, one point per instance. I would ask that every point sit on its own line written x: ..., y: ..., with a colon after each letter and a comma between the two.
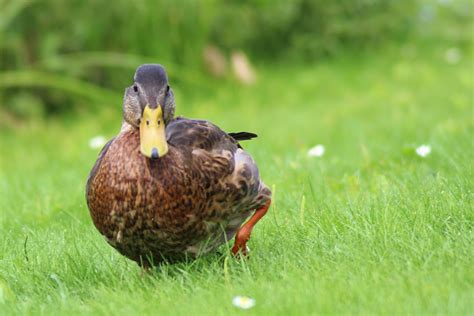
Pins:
x: 368, y: 228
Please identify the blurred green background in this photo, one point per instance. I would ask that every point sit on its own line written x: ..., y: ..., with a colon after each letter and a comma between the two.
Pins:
x: 368, y: 227
x: 62, y: 56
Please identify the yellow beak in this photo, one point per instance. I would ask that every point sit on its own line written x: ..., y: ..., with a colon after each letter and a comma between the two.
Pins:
x: 152, y: 133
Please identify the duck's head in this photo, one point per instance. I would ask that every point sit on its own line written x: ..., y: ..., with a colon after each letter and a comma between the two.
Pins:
x: 149, y: 105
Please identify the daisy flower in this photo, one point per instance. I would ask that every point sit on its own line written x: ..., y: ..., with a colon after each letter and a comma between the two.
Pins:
x: 243, y: 302
x: 316, y: 151
x: 97, y: 142
x: 423, y: 150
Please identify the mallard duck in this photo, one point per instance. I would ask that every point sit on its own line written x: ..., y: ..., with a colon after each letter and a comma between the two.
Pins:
x: 165, y: 188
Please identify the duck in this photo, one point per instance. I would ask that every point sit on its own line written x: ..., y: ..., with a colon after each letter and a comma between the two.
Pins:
x: 168, y: 189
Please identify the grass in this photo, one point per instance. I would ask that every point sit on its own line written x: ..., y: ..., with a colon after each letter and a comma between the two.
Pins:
x: 369, y: 228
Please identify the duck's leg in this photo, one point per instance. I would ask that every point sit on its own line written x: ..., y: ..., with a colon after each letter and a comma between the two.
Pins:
x: 243, y: 235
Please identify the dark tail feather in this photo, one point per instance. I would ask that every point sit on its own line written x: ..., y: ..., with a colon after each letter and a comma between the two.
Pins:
x: 242, y: 136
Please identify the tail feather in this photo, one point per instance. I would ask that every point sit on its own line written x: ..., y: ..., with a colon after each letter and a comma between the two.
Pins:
x: 242, y: 136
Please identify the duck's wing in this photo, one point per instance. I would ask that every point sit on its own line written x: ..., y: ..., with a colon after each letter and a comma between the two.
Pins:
x: 227, y: 173
x: 199, y: 134
x: 218, y: 156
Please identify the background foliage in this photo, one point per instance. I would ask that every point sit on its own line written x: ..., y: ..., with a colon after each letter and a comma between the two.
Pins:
x: 56, y: 54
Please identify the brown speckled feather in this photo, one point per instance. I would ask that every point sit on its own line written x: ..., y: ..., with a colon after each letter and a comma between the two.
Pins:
x: 186, y: 203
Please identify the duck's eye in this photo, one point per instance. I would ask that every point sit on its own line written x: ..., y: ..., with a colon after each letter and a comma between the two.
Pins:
x: 135, y: 88
x: 147, y: 122
x: 167, y: 88
x: 159, y: 122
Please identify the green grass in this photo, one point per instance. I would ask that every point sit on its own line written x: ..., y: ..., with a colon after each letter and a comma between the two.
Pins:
x: 369, y: 228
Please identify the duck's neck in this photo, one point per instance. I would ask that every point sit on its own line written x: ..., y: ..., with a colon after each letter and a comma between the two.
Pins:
x: 127, y: 127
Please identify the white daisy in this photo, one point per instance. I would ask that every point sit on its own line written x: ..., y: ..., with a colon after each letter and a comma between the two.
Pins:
x: 316, y: 151
x: 243, y: 302
x: 423, y: 150
x: 97, y: 142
